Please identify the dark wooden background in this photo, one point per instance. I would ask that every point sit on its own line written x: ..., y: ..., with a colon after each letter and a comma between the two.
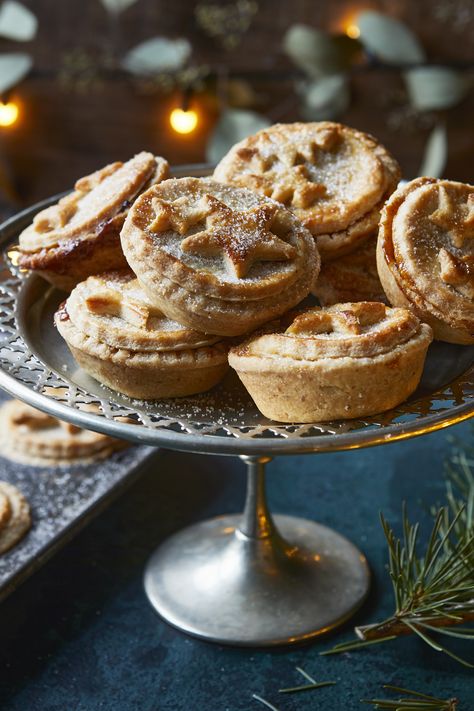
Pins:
x: 64, y: 132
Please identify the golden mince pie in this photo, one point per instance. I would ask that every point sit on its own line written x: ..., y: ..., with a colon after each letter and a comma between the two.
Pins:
x: 425, y: 255
x: 353, y: 277
x: 80, y: 235
x: 344, y: 361
x: 15, y: 516
x: 333, y: 178
x: 124, y: 341
x: 32, y: 437
x: 219, y: 259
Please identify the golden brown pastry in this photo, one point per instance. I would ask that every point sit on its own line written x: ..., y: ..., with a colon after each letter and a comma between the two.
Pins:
x: 344, y: 361
x: 216, y: 258
x: 80, y: 235
x: 121, y: 339
x: 30, y: 436
x: 425, y: 255
x: 333, y: 178
x: 353, y: 277
x: 16, y: 520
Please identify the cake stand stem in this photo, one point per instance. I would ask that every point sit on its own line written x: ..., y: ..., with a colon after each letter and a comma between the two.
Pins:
x: 257, y: 521
x: 250, y: 580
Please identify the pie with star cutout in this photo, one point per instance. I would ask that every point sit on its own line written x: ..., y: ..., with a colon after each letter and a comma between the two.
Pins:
x: 332, y: 177
x: 117, y: 335
x: 80, y: 235
x: 340, y: 362
x: 216, y: 258
x: 425, y: 255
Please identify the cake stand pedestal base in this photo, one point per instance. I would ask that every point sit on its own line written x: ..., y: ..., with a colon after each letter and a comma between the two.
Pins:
x: 249, y: 581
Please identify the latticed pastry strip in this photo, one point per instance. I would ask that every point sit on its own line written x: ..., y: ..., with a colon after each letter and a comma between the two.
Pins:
x: 122, y: 302
x: 341, y: 321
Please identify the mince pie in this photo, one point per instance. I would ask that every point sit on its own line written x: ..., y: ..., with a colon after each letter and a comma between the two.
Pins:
x: 425, y: 255
x: 124, y: 341
x: 80, y: 235
x: 340, y: 362
x: 217, y: 258
x: 333, y: 178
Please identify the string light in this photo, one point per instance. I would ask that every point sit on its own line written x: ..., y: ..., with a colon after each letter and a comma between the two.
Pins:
x: 183, y: 121
x: 352, y: 31
x: 8, y: 113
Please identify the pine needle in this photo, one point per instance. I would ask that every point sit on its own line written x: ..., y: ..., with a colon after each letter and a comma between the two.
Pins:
x: 434, y: 591
x: 412, y: 701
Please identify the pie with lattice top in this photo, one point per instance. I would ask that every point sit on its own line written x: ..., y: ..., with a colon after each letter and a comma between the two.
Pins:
x: 217, y: 258
x: 117, y: 335
x: 32, y: 437
x: 80, y: 235
x: 333, y: 178
x: 352, y: 277
x: 345, y: 361
x: 425, y: 255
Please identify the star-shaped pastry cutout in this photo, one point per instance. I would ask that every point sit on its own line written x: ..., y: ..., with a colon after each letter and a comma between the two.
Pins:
x: 241, y: 237
x: 176, y: 215
x: 456, y: 220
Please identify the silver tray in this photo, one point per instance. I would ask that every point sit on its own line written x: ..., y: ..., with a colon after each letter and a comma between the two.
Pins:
x: 36, y: 366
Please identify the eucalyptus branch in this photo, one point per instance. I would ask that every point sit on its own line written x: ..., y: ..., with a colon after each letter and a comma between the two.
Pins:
x: 435, y: 591
x: 413, y: 701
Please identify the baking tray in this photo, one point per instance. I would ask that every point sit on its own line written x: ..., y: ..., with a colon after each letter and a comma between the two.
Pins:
x: 63, y: 500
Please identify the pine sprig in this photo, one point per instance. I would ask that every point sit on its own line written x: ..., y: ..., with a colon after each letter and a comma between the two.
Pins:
x: 434, y: 591
x: 412, y: 701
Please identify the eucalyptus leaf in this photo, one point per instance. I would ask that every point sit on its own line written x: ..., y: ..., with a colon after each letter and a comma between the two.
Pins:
x: 13, y: 68
x: 436, y: 153
x: 17, y: 22
x: 318, y: 53
x: 117, y: 6
x: 432, y: 88
x: 233, y: 126
x: 325, y: 98
x: 158, y: 54
x: 389, y: 40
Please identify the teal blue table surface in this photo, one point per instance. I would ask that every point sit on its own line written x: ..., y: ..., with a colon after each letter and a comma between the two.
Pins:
x: 80, y: 635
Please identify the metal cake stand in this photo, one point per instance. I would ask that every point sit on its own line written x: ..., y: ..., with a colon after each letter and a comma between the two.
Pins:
x: 250, y: 579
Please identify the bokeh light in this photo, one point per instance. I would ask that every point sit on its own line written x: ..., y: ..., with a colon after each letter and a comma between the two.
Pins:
x: 8, y: 113
x: 183, y: 121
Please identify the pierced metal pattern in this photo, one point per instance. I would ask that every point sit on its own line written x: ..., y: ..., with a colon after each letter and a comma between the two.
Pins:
x: 224, y: 420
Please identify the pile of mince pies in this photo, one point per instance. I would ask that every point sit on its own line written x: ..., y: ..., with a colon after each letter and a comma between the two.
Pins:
x: 173, y: 280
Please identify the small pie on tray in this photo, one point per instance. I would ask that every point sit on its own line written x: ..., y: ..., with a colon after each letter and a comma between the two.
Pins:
x: 120, y: 338
x: 80, y: 235
x: 15, y: 517
x: 353, y: 277
x: 335, y: 179
x: 30, y: 436
x: 216, y: 258
x: 344, y: 361
x: 425, y: 255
